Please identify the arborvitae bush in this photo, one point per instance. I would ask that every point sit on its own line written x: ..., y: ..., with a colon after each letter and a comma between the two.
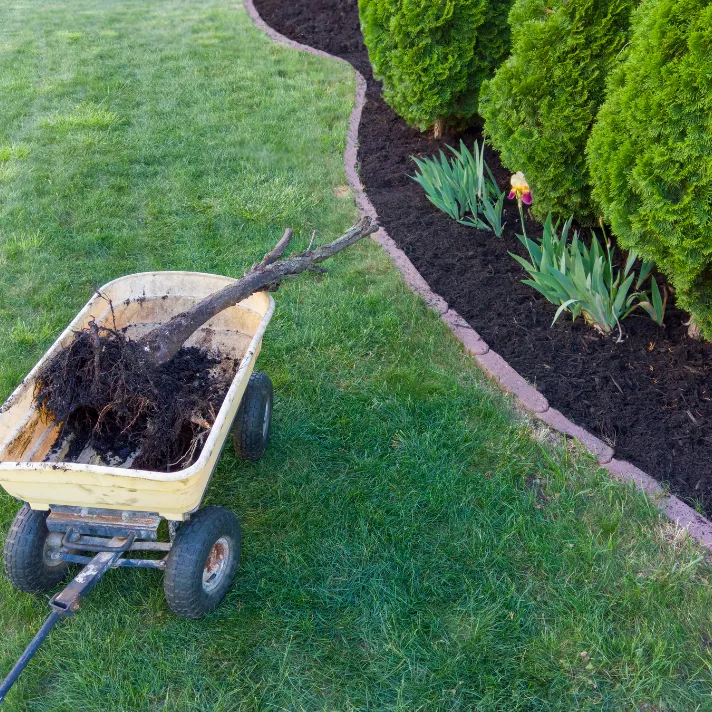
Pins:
x: 650, y: 154
x: 433, y: 55
x: 541, y: 104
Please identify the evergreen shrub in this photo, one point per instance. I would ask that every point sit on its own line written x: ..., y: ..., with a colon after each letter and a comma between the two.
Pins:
x: 542, y: 102
x: 650, y: 154
x: 433, y: 55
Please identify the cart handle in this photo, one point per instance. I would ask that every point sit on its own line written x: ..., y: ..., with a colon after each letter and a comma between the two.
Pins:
x: 65, y: 604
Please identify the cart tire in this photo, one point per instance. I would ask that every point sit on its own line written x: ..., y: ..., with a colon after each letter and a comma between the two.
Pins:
x: 202, y: 562
x: 250, y: 432
x: 26, y: 555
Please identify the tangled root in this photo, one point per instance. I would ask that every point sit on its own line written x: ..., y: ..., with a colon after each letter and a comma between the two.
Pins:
x: 107, y: 395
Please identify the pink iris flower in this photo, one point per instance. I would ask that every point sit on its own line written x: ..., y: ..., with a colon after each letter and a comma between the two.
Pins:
x: 520, y: 189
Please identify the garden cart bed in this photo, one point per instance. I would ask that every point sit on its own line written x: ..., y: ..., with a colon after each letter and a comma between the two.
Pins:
x: 31, y: 473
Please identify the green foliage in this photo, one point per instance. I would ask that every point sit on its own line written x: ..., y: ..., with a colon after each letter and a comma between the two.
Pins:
x: 409, y: 545
x: 445, y: 183
x: 584, y: 281
x: 541, y: 104
x: 650, y: 154
x: 457, y: 185
x: 433, y: 55
x: 655, y: 306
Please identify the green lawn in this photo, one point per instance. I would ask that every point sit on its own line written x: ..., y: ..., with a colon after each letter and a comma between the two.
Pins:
x: 410, y: 544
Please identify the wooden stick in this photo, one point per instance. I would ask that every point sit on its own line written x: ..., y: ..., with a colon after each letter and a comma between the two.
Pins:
x: 163, y: 342
x: 274, y: 254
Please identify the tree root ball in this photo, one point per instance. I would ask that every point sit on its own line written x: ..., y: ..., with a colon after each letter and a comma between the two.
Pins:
x: 107, y: 395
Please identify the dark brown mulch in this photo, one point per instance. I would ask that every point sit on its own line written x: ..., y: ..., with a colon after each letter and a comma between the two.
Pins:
x: 650, y: 397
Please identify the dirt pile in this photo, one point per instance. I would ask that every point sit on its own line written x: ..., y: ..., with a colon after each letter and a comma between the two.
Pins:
x: 109, y: 397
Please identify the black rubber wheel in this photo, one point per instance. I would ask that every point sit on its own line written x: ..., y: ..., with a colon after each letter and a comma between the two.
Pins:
x: 250, y: 431
x: 28, y: 548
x: 202, y: 562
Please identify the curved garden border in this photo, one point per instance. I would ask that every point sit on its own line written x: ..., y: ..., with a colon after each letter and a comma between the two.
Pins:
x: 491, y: 362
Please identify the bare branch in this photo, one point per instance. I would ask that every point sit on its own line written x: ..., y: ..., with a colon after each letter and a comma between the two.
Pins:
x: 163, y: 342
x: 274, y: 254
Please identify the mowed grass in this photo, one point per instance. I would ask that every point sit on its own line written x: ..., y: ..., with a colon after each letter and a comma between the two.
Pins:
x: 409, y: 543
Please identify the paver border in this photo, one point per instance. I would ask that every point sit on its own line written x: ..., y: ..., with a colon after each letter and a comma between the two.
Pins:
x: 698, y: 527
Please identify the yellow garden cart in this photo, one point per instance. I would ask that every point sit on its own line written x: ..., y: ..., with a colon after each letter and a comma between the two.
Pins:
x: 96, y: 515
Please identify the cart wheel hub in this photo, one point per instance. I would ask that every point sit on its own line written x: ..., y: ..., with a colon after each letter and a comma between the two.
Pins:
x: 216, y: 564
x: 50, y: 551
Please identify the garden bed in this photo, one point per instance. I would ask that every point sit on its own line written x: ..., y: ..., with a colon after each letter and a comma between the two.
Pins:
x: 649, y: 397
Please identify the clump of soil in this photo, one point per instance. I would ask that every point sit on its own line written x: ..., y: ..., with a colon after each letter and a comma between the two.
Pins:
x: 107, y: 395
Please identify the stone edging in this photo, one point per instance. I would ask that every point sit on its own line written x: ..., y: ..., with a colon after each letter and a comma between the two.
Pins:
x: 491, y: 362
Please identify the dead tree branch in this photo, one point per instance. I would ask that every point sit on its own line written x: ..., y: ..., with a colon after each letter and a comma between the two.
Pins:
x: 163, y: 342
x: 274, y: 254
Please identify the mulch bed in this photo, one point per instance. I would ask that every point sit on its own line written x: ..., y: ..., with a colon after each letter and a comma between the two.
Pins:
x: 649, y: 397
